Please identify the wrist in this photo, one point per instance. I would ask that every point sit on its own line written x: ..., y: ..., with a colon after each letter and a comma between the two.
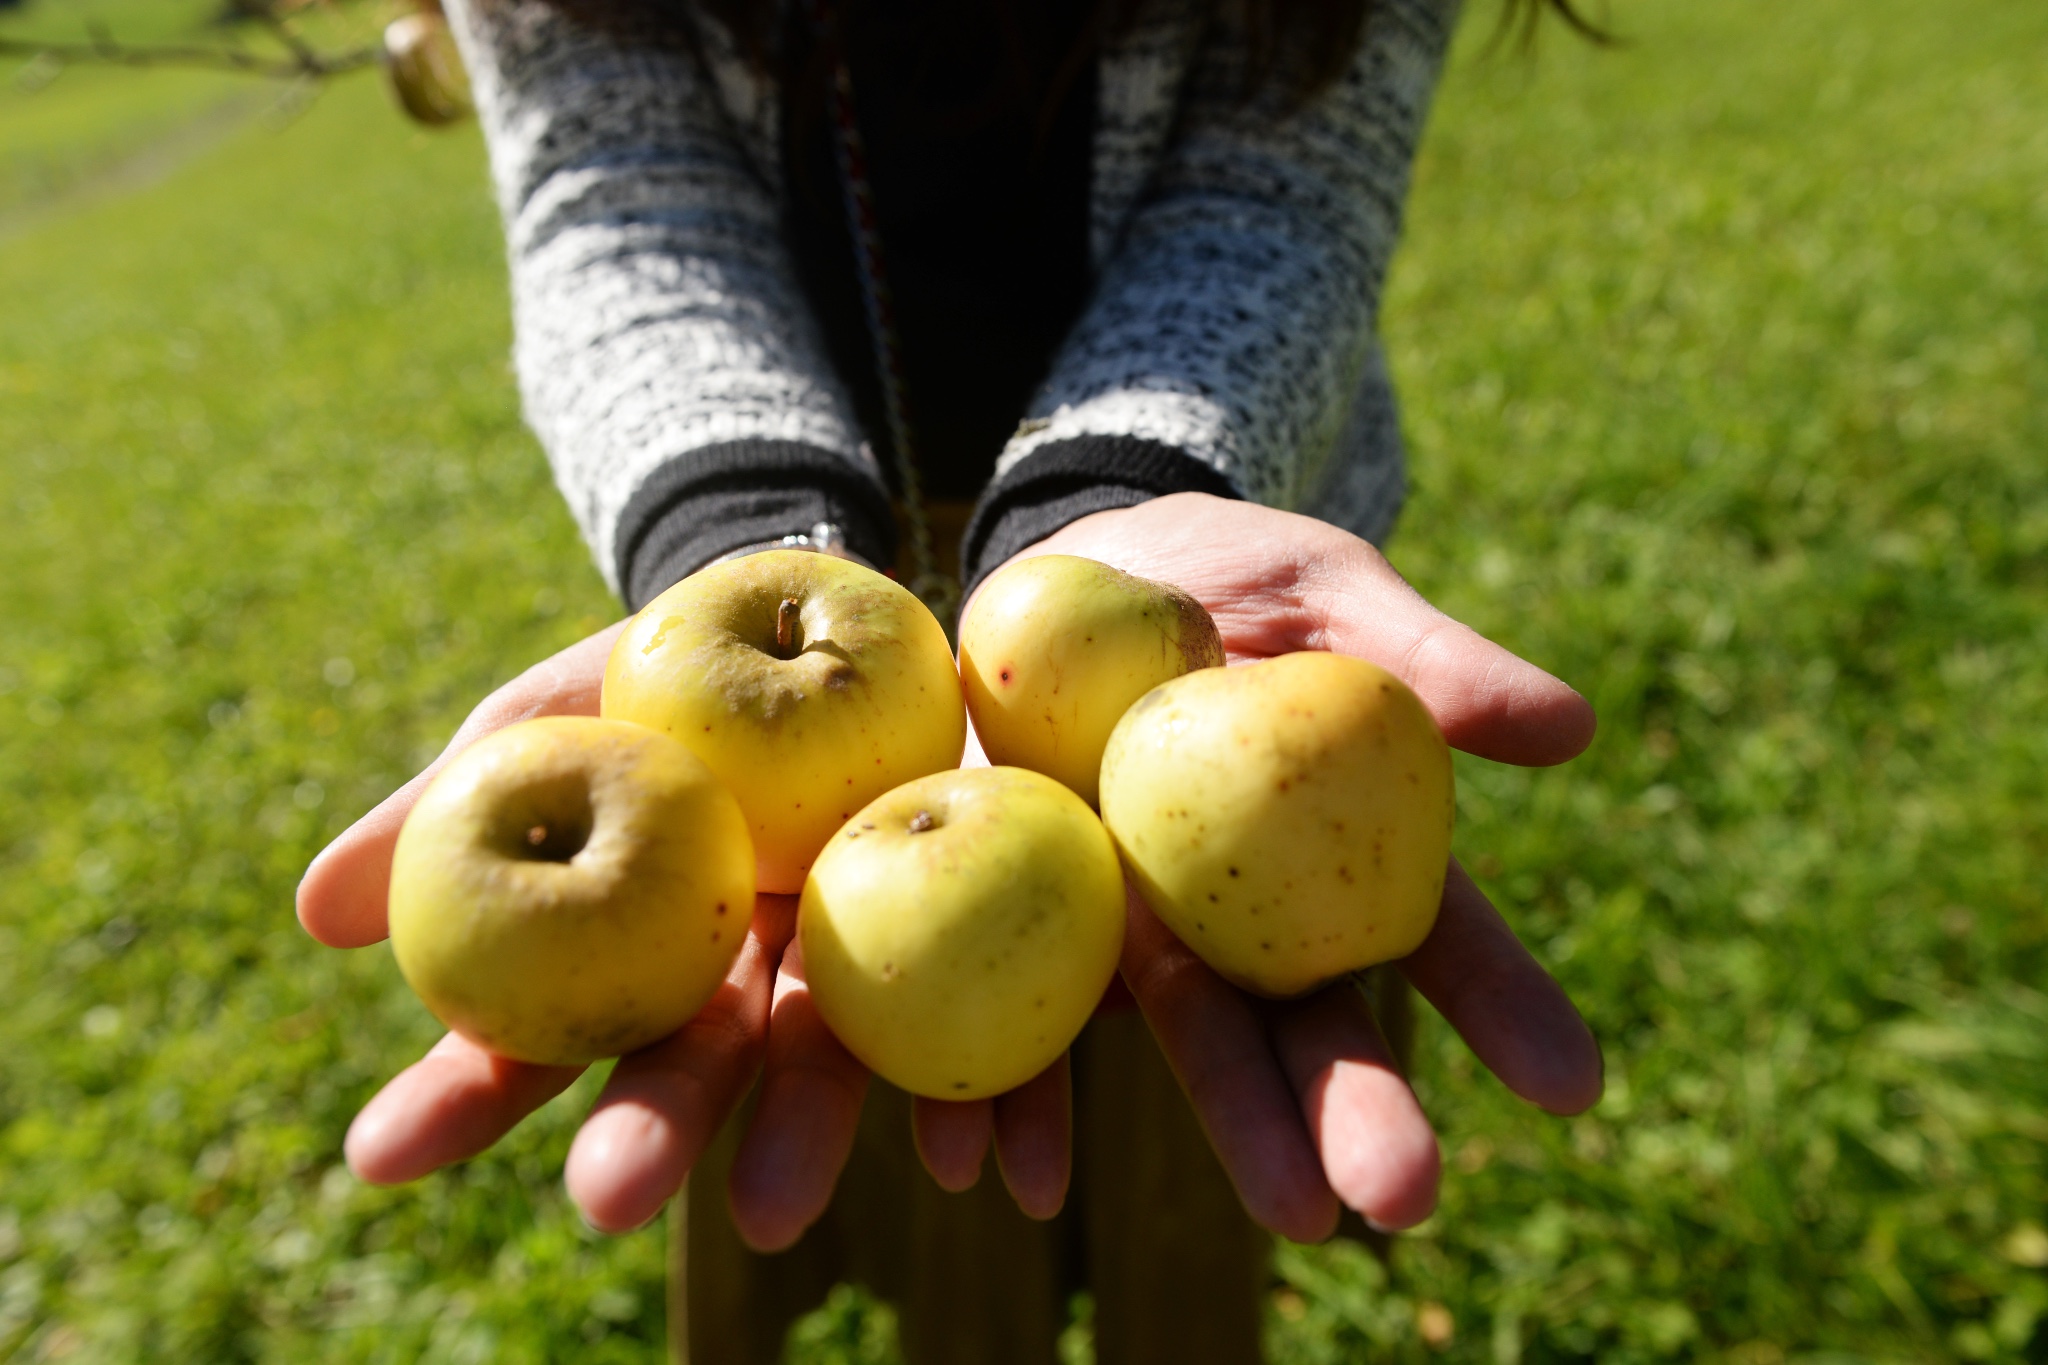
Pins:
x: 825, y: 537
x: 747, y: 495
x: 1061, y: 483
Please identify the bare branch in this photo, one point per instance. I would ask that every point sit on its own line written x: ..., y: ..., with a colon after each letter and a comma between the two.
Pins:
x: 417, y: 53
x: 104, y: 50
x: 271, y: 16
x: 299, y: 60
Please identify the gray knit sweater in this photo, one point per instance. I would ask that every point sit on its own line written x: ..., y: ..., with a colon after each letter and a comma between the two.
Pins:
x: 1229, y: 342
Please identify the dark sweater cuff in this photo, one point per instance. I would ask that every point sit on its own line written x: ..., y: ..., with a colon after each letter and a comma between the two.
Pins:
x: 1065, y: 481
x: 719, y: 498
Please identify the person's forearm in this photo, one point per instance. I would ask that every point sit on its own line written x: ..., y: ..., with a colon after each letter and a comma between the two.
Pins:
x: 1235, y: 321
x: 665, y: 353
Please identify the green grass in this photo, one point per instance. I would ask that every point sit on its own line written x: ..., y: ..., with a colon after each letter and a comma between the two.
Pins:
x: 1723, y: 357
x: 67, y: 128
x: 1725, y: 365
x: 273, y: 434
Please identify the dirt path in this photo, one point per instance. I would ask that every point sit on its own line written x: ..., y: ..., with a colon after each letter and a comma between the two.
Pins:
x: 150, y: 164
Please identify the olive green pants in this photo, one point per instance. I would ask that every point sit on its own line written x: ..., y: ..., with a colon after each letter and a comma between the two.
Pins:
x: 1151, y: 1227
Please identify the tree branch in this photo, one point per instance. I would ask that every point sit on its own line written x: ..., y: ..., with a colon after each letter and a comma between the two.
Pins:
x: 302, y: 59
x: 280, y: 28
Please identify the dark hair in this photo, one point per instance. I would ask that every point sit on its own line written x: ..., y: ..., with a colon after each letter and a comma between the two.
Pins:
x: 1304, y: 44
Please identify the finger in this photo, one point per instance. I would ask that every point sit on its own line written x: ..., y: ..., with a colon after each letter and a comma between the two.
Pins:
x: 1215, y: 1040
x: 804, y: 1120
x: 1485, y: 699
x: 1513, y: 1016
x: 663, y: 1104
x: 1034, y: 1140
x: 952, y: 1139
x: 1377, y: 1149
x: 341, y: 898
x: 1311, y: 585
x: 448, y: 1106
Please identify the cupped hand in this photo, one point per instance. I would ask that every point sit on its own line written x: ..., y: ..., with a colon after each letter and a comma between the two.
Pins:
x: 662, y: 1105
x: 1302, y: 1099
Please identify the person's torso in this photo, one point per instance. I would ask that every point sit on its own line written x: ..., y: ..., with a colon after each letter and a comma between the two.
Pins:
x: 977, y: 121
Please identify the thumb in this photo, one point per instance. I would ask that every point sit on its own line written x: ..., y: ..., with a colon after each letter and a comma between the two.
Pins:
x: 341, y: 899
x: 1486, y: 700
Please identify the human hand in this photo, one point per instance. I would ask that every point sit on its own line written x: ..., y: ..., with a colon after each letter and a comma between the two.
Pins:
x: 1302, y: 1099
x: 662, y: 1105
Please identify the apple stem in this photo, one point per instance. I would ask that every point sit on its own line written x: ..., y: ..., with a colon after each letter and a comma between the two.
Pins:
x: 785, y: 626
x: 921, y: 822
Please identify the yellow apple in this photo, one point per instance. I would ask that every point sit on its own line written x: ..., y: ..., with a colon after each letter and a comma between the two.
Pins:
x: 958, y: 932
x: 1289, y: 820
x: 570, y: 888
x: 425, y: 70
x: 1056, y: 648
x: 808, y: 684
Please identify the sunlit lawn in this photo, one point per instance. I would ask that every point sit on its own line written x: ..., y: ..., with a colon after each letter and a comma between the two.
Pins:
x: 1725, y: 362
x: 61, y: 127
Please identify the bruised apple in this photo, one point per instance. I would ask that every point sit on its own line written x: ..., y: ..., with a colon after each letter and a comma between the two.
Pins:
x: 570, y: 888
x: 1290, y: 820
x: 809, y: 684
x: 1055, y: 649
x: 958, y: 932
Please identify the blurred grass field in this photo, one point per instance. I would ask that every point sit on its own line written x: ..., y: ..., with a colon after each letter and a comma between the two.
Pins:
x: 1725, y: 363
x: 102, y: 127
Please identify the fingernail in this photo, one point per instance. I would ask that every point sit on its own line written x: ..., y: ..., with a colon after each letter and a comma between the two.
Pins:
x: 616, y: 1232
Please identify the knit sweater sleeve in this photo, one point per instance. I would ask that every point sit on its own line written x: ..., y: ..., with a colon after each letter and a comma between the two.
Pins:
x: 1231, y: 345
x: 665, y: 354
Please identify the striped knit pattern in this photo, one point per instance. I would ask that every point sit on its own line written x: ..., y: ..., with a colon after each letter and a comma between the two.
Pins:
x: 1240, y: 249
